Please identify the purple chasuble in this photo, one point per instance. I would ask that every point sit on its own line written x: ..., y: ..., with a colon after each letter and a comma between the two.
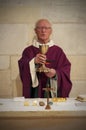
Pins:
x: 58, y: 61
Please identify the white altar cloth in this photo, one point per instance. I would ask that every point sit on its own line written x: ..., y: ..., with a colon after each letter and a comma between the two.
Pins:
x: 17, y: 104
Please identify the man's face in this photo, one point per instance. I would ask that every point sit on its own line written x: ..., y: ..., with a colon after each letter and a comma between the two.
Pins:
x: 43, y: 31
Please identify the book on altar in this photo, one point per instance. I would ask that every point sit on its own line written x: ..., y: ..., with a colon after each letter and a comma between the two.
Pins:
x: 81, y: 98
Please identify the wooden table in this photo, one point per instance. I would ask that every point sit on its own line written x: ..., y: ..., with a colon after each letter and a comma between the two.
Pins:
x: 68, y: 115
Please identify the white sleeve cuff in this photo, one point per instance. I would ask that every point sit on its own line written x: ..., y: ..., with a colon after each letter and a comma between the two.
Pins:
x: 33, y: 73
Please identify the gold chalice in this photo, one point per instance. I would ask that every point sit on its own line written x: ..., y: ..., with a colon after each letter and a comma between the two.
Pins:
x: 43, y: 49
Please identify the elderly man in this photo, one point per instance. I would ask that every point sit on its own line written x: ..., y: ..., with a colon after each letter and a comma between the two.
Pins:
x: 58, y: 76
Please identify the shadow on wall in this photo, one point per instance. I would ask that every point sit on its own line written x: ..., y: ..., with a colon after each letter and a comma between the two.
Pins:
x: 18, y: 87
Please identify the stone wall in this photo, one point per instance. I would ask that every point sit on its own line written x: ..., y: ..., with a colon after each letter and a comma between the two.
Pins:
x: 17, y: 19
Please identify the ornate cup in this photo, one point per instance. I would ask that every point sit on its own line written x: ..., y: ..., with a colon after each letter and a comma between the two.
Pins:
x: 43, y: 49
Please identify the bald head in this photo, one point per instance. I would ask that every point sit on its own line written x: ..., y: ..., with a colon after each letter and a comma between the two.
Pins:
x: 42, y: 21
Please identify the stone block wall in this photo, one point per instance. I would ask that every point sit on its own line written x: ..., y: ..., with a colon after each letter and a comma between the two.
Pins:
x: 17, y: 19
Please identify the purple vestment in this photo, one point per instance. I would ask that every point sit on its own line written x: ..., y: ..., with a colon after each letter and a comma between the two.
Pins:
x: 58, y: 61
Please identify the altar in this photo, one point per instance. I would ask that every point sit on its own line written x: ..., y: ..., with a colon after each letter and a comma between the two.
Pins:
x: 27, y: 114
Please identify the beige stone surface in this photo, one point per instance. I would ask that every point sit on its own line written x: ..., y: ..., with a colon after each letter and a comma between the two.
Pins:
x: 31, y: 10
x: 20, y: 2
x: 5, y: 84
x: 13, y: 38
x: 71, y: 37
x: 17, y: 87
x: 64, y: 11
x: 79, y: 87
x: 14, y: 67
x: 78, y: 67
x: 4, y: 62
x: 20, y: 14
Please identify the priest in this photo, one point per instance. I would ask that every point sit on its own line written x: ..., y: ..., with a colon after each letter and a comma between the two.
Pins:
x: 58, y: 76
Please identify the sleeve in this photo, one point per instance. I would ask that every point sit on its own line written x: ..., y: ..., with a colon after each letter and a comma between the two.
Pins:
x: 24, y: 71
x: 63, y: 73
x: 33, y: 73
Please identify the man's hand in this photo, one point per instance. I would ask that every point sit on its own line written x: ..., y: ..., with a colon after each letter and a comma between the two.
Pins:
x: 51, y: 73
x: 40, y: 59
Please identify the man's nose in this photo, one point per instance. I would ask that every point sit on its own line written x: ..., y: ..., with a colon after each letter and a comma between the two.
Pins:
x: 43, y: 29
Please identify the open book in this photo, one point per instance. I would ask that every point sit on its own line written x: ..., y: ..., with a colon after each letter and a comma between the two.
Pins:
x: 81, y: 98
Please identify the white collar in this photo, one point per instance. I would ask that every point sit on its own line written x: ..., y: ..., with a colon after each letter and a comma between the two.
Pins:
x: 36, y: 43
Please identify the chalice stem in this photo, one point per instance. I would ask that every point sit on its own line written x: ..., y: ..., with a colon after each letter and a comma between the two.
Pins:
x: 43, y: 65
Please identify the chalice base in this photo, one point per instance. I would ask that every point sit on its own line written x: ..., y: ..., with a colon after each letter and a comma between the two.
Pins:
x: 47, y: 106
x: 43, y: 69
